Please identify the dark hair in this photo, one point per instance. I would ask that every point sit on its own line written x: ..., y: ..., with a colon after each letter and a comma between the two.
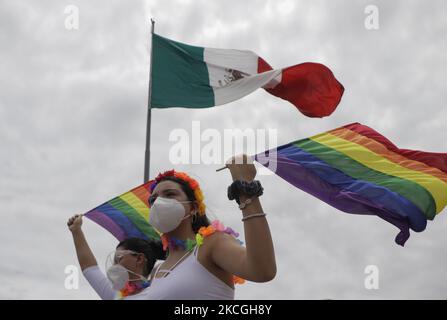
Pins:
x: 152, y: 250
x: 198, y: 221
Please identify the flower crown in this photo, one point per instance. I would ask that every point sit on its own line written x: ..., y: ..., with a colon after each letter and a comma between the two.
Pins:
x: 193, y: 184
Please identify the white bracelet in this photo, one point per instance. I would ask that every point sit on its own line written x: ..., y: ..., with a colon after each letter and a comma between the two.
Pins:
x: 254, y: 215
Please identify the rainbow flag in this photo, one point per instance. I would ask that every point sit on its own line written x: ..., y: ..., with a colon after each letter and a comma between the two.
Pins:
x: 357, y: 170
x: 127, y: 215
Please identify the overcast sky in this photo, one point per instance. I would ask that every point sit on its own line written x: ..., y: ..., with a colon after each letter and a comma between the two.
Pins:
x: 73, y: 106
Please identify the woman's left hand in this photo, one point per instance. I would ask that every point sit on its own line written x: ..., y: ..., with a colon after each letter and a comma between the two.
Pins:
x: 241, y: 168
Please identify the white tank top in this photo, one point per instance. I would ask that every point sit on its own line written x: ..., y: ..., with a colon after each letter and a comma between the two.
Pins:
x: 189, y: 280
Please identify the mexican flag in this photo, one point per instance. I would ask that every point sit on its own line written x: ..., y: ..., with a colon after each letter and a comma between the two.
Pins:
x: 195, y: 77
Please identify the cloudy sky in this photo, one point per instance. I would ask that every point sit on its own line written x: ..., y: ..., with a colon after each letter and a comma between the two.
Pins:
x: 73, y: 109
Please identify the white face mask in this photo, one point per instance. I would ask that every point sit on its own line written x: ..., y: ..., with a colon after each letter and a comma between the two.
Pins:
x: 118, y: 274
x: 166, y: 214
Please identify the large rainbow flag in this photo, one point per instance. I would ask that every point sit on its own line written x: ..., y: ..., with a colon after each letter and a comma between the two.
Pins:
x: 357, y: 170
x: 126, y: 215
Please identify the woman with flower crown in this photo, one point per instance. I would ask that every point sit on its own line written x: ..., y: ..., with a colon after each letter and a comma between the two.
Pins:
x: 203, y: 258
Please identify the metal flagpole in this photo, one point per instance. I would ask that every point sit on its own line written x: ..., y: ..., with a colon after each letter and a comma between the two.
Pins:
x: 147, y: 156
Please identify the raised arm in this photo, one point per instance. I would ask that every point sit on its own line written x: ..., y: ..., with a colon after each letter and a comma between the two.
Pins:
x: 256, y: 262
x: 85, y: 255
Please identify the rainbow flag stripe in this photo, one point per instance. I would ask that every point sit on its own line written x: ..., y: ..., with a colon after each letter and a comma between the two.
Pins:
x: 127, y: 215
x: 357, y: 170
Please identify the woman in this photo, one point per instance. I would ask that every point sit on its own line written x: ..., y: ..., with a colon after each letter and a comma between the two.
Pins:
x: 204, y: 260
x: 136, y: 258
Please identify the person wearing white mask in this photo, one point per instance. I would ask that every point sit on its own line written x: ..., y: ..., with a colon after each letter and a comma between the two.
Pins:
x: 204, y: 260
x: 127, y: 267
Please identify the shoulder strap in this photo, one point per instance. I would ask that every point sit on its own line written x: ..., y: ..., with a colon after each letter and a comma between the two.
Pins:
x: 153, y: 274
x: 196, y: 250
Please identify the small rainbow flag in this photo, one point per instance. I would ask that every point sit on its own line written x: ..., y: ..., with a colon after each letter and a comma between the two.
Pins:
x: 357, y: 170
x: 127, y: 215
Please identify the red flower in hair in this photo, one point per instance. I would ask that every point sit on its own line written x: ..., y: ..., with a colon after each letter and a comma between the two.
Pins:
x: 168, y: 173
x: 161, y: 175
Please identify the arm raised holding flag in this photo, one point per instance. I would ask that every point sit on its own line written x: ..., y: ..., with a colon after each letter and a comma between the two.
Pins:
x: 256, y: 262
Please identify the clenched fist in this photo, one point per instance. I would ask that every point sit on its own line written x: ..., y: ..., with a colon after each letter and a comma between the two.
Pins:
x: 75, y: 223
x: 241, y: 168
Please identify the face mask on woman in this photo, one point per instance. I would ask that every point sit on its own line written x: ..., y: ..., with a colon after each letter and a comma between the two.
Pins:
x: 118, y: 274
x: 166, y: 214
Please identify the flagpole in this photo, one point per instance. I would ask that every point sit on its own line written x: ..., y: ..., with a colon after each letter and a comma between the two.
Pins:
x: 147, y: 156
